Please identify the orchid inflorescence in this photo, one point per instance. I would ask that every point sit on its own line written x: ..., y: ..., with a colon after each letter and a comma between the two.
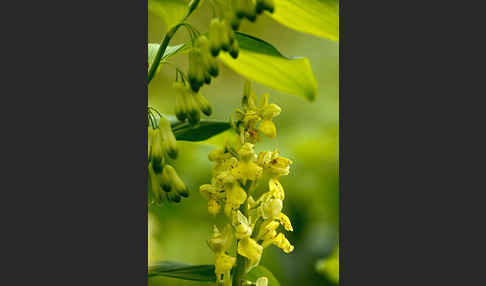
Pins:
x: 253, y: 221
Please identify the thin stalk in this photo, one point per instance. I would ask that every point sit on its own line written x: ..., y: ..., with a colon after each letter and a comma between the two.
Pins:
x: 241, y: 261
x: 166, y: 40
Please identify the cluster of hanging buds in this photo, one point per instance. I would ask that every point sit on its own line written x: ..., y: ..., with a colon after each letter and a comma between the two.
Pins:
x: 189, y: 104
x: 250, y: 9
x: 253, y: 219
x: 163, y: 181
x: 221, y: 37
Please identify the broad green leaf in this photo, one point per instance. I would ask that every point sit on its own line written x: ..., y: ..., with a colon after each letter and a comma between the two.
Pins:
x: 317, y: 17
x: 261, y: 271
x: 205, y: 130
x: 169, y: 52
x: 183, y: 271
x: 263, y: 63
x: 172, y: 12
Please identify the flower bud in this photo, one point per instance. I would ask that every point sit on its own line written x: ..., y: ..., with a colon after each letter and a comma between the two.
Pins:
x: 234, y: 49
x: 203, y: 104
x: 246, y: 8
x: 149, y: 143
x: 177, y: 184
x: 169, y: 138
x: 180, y: 105
x: 227, y: 35
x: 165, y: 182
x: 154, y: 184
x: 196, y: 73
x: 235, y: 23
x: 193, y: 115
x: 157, y: 152
x: 269, y: 5
x: 215, y: 37
x: 209, y: 61
x: 174, y: 197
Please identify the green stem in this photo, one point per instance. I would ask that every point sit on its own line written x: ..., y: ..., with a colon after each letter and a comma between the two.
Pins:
x: 166, y: 40
x: 241, y: 261
x: 161, y: 51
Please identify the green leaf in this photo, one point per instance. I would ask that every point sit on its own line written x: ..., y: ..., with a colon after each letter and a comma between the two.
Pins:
x: 183, y: 271
x: 184, y: 131
x: 169, y: 52
x: 317, y: 17
x: 172, y: 12
x: 205, y: 130
x: 263, y: 63
x: 261, y: 271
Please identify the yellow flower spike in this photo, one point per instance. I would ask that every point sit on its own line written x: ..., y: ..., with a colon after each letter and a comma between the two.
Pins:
x: 267, y: 127
x: 271, y: 208
x: 250, y: 249
x: 262, y: 281
x: 276, y: 189
x: 236, y: 196
x: 213, y: 207
x: 285, y: 221
x: 241, y: 225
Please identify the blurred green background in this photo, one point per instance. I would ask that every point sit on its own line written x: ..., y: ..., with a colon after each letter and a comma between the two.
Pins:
x: 307, y: 133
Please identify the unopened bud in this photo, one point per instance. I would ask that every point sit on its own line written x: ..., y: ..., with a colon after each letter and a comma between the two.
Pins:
x: 192, y: 110
x: 165, y: 182
x: 215, y: 37
x: 203, y: 104
x: 267, y: 127
x: 174, y: 197
x: 169, y: 138
x: 180, y: 105
x: 177, y: 184
x: 157, y: 152
x: 234, y: 49
x: 196, y: 72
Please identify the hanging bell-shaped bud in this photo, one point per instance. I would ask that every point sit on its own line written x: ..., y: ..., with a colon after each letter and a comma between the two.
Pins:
x: 234, y: 49
x: 245, y: 8
x: 177, y: 184
x: 157, y: 152
x: 154, y: 184
x: 193, y: 114
x: 174, y: 197
x: 196, y: 72
x: 269, y: 5
x: 210, y: 62
x: 149, y: 143
x: 235, y: 22
x: 203, y: 104
x: 227, y: 35
x: 164, y: 180
x: 215, y: 37
x: 180, y: 104
x: 170, y: 143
